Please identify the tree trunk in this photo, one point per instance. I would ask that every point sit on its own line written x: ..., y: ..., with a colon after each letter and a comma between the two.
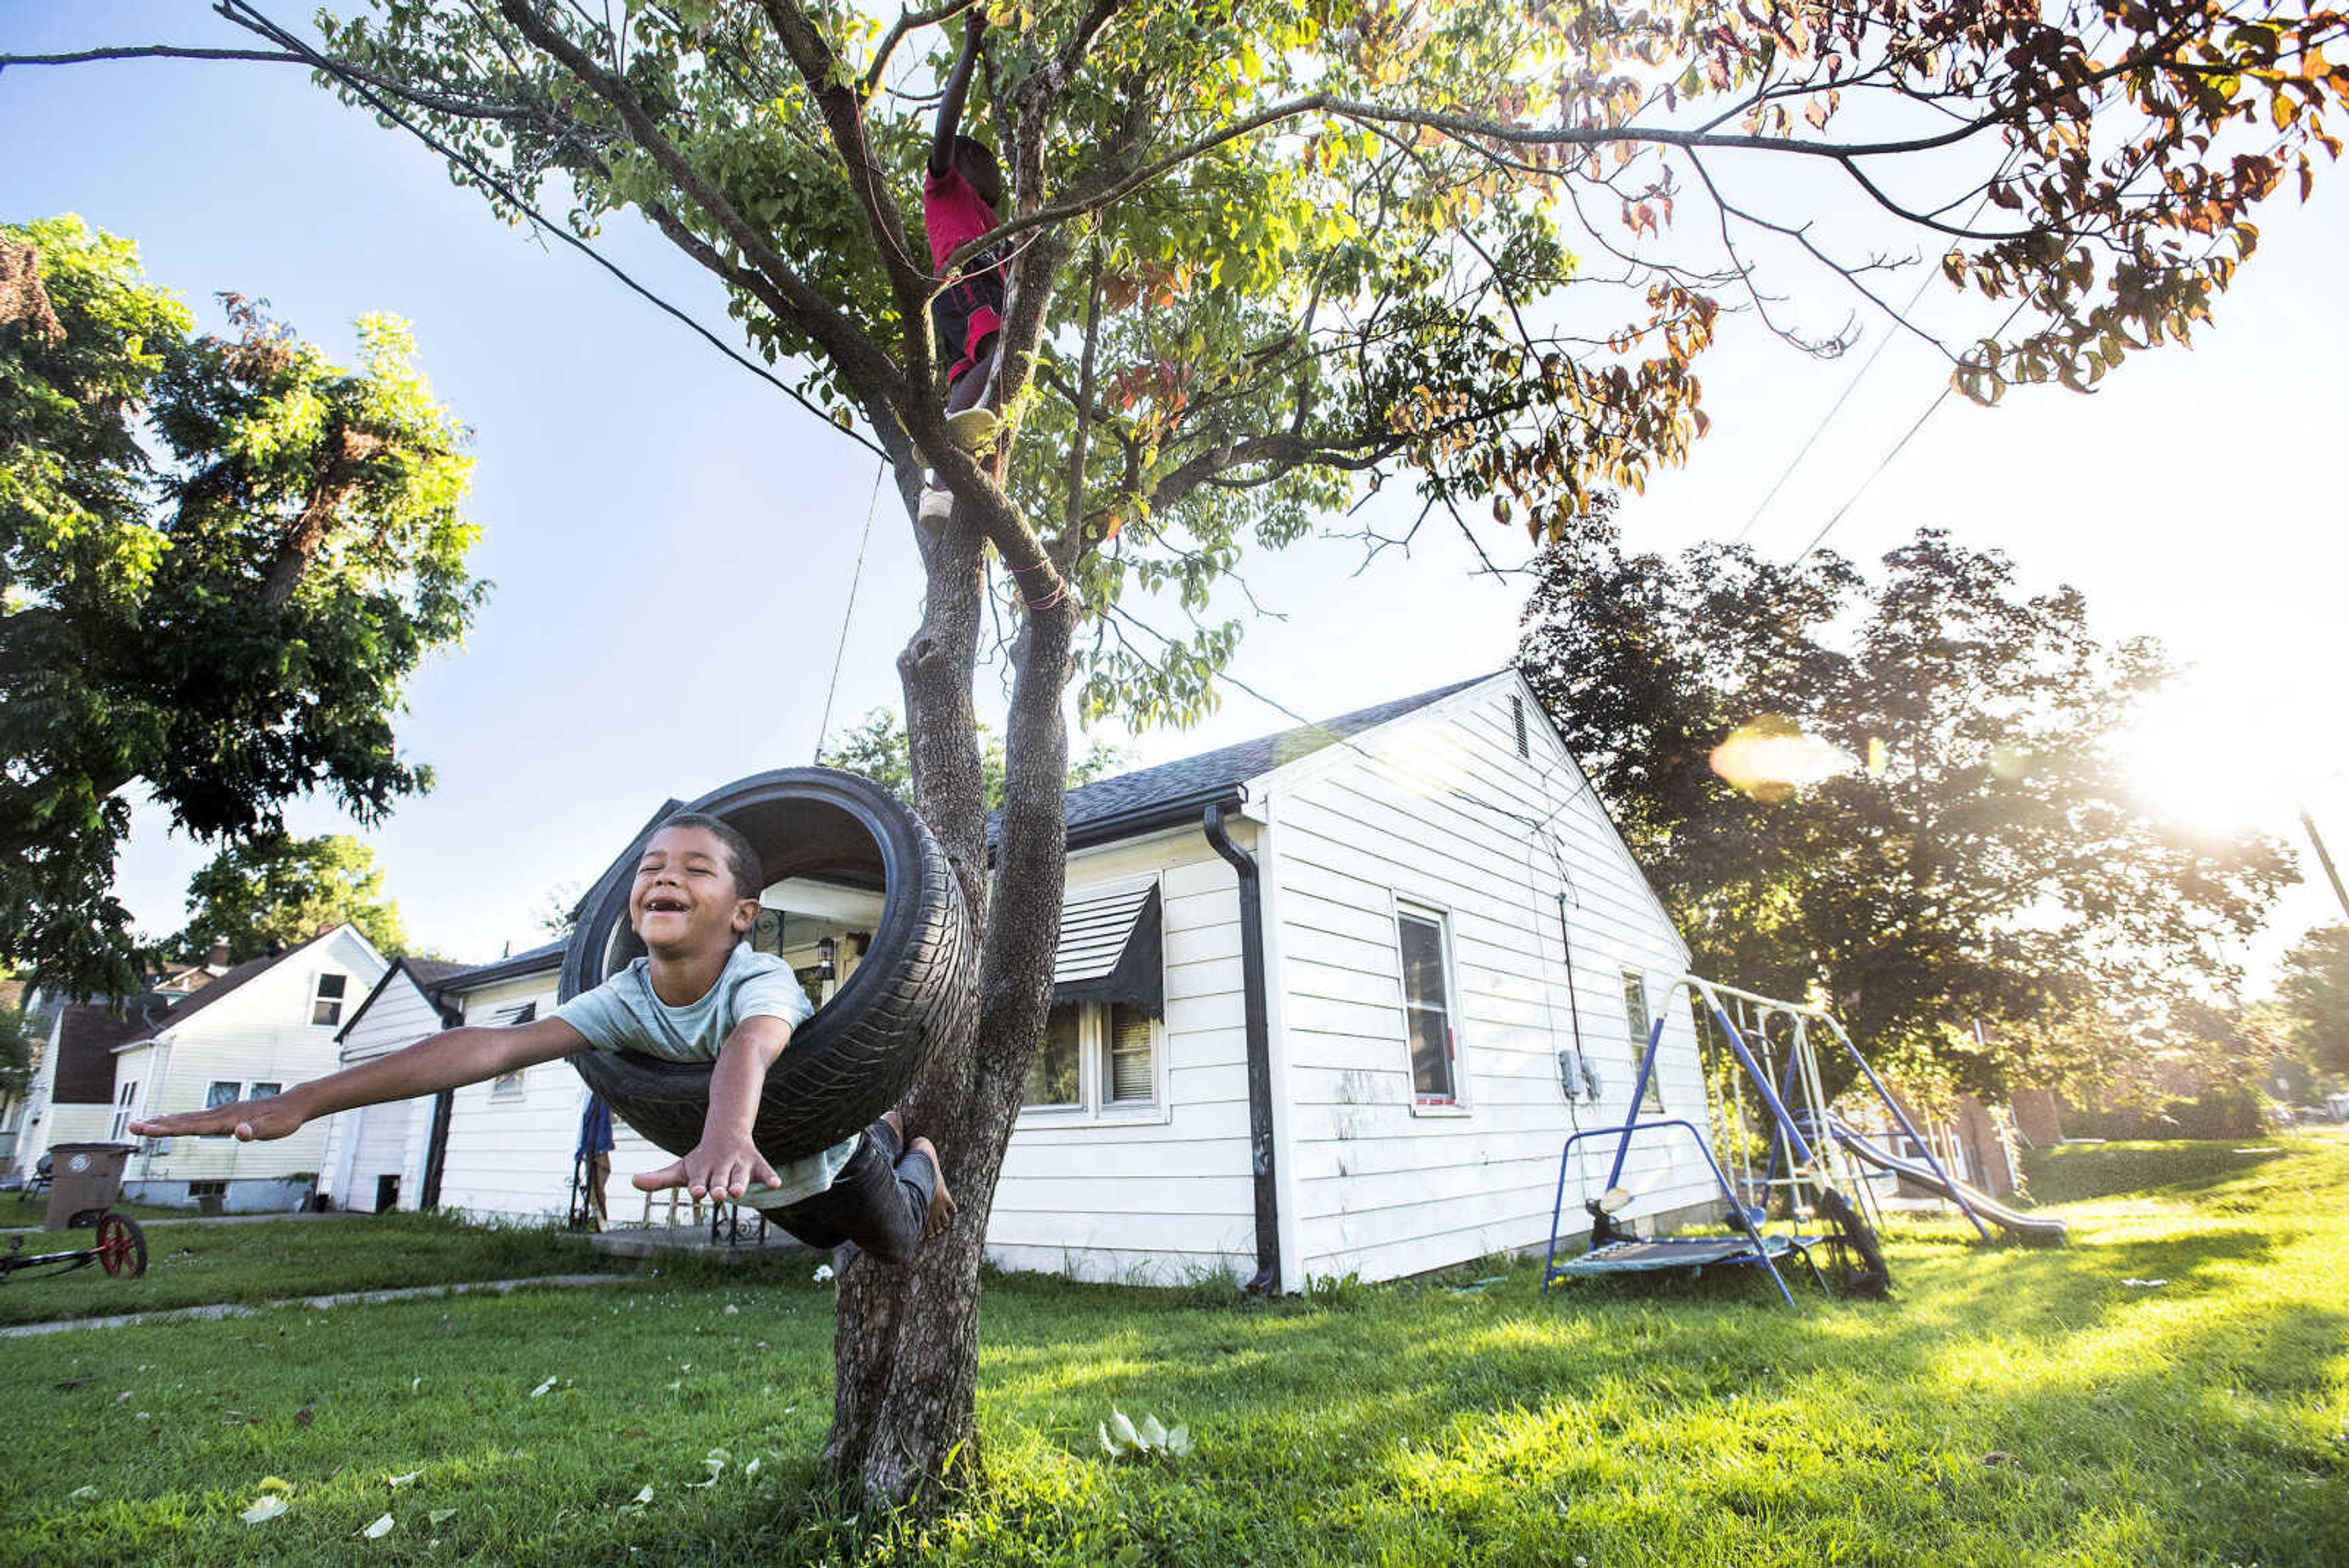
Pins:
x: 336, y: 481
x: 905, y: 1348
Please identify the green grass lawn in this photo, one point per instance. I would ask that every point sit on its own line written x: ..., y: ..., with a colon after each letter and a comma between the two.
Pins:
x: 22, y: 1210
x: 2007, y: 1406
x: 190, y: 1264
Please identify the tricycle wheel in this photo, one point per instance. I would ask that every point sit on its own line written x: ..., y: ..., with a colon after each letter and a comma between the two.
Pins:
x: 121, y: 1245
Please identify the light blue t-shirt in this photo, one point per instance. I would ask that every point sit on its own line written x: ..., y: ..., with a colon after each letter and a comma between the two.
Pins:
x: 624, y: 1013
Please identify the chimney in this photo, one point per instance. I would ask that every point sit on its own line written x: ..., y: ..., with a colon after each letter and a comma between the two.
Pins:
x: 218, y: 957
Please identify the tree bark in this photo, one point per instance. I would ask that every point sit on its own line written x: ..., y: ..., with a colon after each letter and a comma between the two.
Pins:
x: 339, y: 470
x: 905, y: 1348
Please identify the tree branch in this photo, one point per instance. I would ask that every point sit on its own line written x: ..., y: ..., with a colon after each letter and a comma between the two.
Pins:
x: 858, y: 357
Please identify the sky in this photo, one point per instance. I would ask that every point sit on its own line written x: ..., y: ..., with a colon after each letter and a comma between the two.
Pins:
x: 641, y: 498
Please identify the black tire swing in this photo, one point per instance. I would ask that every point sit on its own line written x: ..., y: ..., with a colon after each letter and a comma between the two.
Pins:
x: 916, y: 983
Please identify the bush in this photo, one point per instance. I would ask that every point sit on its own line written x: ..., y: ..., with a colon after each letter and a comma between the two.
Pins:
x: 2216, y: 1113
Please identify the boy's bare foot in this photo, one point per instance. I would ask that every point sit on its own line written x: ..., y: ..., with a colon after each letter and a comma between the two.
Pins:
x: 896, y: 1125
x: 942, y: 1203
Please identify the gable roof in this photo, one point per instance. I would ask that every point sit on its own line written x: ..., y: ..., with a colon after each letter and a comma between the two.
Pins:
x: 1157, y: 797
x: 235, y: 979
x: 514, y: 965
x: 549, y: 955
x: 88, y: 1034
x: 425, y: 972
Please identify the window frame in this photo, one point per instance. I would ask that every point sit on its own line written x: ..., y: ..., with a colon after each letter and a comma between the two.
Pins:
x: 318, y: 998
x: 507, y: 1087
x: 1092, y: 1106
x: 125, y: 1106
x: 1636, y: 1031
x: 1457, y: 1103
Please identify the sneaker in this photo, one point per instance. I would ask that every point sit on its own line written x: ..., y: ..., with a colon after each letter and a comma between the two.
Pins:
x: 937, y: 505
x: 973, y: 428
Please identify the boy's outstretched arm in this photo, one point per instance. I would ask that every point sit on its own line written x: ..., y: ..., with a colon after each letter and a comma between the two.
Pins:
x: 957, y: 89
x: 725, y: 1162
x: 444, y: 1061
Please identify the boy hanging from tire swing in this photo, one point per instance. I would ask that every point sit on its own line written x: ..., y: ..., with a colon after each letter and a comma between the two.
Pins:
x: 698, y: 994
x: 962, y: 189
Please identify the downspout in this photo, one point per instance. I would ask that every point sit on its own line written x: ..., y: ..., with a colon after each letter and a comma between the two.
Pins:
x: 444, y: 1106
x: 1259, y: 1052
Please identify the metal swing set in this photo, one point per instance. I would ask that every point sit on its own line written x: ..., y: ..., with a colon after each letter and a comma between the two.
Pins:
x: 1810, y: 1178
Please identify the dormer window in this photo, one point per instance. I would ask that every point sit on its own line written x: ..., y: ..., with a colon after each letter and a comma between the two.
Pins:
x: 327, y: 1000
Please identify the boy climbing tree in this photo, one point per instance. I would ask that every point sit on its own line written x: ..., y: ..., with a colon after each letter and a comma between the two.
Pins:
x: 962, y: 189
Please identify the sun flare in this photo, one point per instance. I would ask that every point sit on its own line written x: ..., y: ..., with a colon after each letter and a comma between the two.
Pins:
x: 2194, y: 763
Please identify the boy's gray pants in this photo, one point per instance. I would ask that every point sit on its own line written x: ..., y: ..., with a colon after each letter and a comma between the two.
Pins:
x: 880, y: 1200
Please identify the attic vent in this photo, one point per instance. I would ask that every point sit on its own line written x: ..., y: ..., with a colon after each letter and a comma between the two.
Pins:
x: 1517, y: 723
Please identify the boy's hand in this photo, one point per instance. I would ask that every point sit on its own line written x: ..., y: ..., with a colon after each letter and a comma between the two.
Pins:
x: 275, y: 1116
x: 716, y: 1168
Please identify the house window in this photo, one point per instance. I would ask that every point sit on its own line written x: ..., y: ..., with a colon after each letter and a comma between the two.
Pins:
x: 262, y: 1091
x: 327, y: 1001
x: 1052, y: 1075
x: 1129, y: 1035
x: 509, y: 1085
x: 1427, y: 1007
x: 222, y: 1092
x: 1637, y: 1024
x: 123, y: 1105
x: 1095, y: 1056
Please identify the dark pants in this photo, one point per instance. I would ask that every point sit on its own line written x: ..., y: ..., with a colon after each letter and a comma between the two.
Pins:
x: 880, y: 1200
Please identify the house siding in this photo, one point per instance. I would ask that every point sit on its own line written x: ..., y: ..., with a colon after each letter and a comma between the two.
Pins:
x: 1440, y: 812
x: 390, y: 1140
x: 260, y: 1033
x: 1162, y: 1196
x: 510, y: 1158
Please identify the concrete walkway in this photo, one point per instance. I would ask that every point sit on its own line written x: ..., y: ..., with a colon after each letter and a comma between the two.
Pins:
x: 316, y: 1303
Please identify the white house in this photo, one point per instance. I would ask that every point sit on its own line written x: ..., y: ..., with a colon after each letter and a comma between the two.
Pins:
x: 1351, y: 1037
x: 266, y: 1023
x: 377, y: 1154
x: 71, y: 1097
x: 502, y: 1149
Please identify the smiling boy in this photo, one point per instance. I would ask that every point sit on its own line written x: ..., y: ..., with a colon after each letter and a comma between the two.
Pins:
x: 698, y: 994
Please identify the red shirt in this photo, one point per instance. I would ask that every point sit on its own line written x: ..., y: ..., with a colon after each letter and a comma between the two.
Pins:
x: 953, y: 214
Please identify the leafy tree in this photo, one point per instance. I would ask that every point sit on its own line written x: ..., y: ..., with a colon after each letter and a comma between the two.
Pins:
x: 1261, y: 259
x: 557, y: 915
x: 18, y: 1031
x: 2314, y: 992
x: 221, y: 558
x: 875, y: 746
x: 1904, y: 797
x: 269, y: 893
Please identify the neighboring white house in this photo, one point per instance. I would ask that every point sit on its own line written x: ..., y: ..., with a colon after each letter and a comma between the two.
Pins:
x: 377, y: 1154
x: 1449, y: 930
x: 265, y: 1024
x: 71, y: 1096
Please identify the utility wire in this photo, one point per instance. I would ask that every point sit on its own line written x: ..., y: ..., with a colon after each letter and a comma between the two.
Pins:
x: 823, y: 726
x: 1860, y: 374
x: 1829, y: 525
x: 506, y: 193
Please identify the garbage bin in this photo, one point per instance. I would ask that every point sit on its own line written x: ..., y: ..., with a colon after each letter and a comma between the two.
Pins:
x: 87, y: 1177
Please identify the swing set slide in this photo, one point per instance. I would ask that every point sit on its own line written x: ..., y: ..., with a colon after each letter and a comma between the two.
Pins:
x: 2024, y: 1227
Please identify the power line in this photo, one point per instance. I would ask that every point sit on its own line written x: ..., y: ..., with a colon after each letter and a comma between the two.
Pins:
x: 1860, y: 374
x: 2022, y: 300
x: 506, y: 193
x: 823, y: 726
